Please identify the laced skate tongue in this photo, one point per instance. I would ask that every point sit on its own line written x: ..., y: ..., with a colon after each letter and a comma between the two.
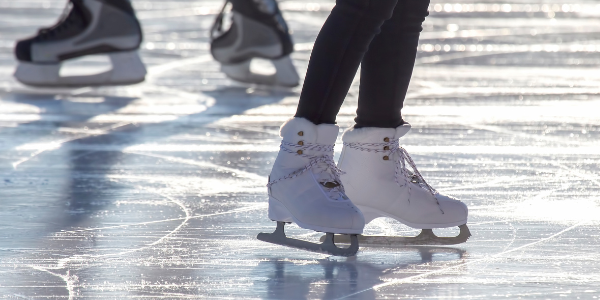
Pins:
x: 72, y: 15
x: 403, y: 161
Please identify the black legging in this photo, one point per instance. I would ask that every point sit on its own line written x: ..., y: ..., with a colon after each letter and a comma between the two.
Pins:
x: 383, y: 35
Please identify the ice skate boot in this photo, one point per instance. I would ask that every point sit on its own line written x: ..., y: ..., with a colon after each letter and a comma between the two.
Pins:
x: 257, y: 31
x: 305, y: 188
x: 378, y: 181
x: 88, y: 27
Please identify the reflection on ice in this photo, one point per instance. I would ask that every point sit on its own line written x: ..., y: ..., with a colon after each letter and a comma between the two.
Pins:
x: 336, y: 278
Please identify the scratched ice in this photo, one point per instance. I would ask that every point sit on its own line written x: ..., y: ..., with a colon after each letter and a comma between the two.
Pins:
x: 158, y: 190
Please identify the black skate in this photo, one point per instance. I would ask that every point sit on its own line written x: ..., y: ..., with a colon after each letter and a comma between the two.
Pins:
x: 257, y: 31
x: 88, y: 27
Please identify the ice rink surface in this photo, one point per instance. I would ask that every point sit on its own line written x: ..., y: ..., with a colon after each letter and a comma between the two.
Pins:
x: 157, y: 190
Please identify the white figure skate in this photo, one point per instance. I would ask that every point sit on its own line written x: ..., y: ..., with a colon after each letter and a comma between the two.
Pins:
x: 90, y: 27
x: 378, y: 182
x: 257, y: 31
x: 305, y: 188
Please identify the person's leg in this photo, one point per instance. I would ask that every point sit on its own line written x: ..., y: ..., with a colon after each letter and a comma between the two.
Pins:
x: 380, y: 176
x: 304, y: 184
x: 337, y: 53
x: 387, y: 67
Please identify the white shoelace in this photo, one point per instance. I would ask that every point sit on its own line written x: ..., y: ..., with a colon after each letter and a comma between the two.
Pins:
x: 403, y: 159
x: 323, y: 164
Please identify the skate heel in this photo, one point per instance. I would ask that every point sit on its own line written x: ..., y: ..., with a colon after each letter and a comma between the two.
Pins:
x: 285, y: 73
x: 278, y: 212
x: 127, y: 68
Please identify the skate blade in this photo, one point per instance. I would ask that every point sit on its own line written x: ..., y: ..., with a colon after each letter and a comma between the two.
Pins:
x: 127, y: 68
x: 327, y: 246
x: 425, y: 238
x: 284, y: 75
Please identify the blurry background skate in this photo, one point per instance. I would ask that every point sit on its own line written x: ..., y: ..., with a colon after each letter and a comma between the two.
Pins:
x: 73, y: 52
x: 252, y: 42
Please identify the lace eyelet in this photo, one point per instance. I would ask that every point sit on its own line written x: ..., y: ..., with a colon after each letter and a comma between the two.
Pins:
x: 386, y: 158
x: 301, y: 143
x: 301, y: 133
x: 299, y: 152
x: 387, y: 139
x: 386, y: 148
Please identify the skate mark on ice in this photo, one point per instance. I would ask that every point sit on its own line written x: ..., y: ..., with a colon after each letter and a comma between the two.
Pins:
x: 70, y: 280
x: 491, y: 257
x: 514, y: 236
x: 227, y: 126
x: 498, y: 129
x: 64, y: 262
x: 444, y: 270
x: 576, y: 173
x: 512, y: 241
x: 155, y: 71
x: 232, y: 211
x: 539, y: 196
x: 248, y: 175
x: 57, y: 144
x: 184, y: 220
x: 203, y: 100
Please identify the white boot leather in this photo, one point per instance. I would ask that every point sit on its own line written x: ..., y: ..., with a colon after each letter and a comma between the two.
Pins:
x: 378, y: 181
x: 304, y: 185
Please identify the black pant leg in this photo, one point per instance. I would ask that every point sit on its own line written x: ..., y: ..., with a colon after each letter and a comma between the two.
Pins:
x: 337, y: 53
x: 387, y: 67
